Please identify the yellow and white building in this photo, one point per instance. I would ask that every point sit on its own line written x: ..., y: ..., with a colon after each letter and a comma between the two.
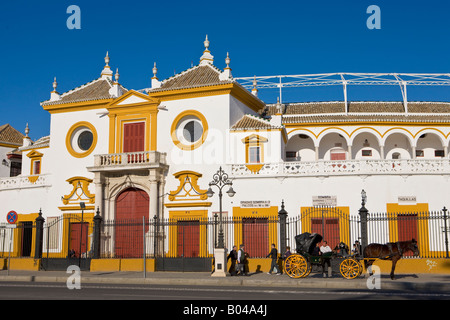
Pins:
x: 152, y: 152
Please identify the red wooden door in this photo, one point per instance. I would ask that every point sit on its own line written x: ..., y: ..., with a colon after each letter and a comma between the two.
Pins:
x: 328, y: 228
x: 255, y: 236
x: 407, y: 228
x: 78, y: 237
x: 188, y: 240
x: 133, y: 137
x: 131, y: 206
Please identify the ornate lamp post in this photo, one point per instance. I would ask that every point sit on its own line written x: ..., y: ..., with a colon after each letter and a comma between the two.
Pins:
x: 220, y: 180
x: 363, y: 212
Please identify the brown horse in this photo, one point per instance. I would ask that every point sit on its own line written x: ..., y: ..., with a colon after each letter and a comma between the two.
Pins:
x: 389, y: 251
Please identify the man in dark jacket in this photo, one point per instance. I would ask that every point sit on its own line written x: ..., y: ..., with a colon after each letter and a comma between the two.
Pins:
x: 233, y: 256
x: 274, y: 255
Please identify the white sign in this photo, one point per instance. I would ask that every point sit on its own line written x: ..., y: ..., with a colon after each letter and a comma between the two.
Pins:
x: 255, y: 204
x: 407, y: 199
x: 330, y: 201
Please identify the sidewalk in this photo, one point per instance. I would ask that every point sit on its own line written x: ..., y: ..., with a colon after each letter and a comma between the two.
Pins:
x: 404, y: 282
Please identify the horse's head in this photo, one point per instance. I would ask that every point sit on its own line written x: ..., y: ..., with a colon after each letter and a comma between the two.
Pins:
x: 412, y: 245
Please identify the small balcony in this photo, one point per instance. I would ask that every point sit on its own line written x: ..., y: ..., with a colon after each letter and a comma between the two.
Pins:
x: 128, y: 161
x: 344, y: 168
x: 25, y: 182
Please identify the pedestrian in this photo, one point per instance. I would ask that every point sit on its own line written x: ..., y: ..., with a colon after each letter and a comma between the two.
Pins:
x: 233, y: 255
x: 325, y: 250
x: 274, y: 255
x: 241, y: 260
x: 287, y: 253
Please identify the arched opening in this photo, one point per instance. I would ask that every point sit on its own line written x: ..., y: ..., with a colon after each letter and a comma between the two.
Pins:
x: 333, y: 146
x: 429, y: 146
x: 300, y: 147
x: 131, y: 206
x: 366, y: 146
x: 397, y: 146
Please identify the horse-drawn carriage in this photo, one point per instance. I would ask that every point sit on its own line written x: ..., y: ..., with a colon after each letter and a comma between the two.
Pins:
x: 300, y: 265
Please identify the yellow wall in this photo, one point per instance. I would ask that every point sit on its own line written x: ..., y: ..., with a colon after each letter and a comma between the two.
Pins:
x: 271, y: 213
x: 421, y: 209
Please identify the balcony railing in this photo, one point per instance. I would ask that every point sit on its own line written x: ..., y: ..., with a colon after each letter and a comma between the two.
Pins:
x: 25, y: 182
x: 129, y: 160
x: 344, y: 167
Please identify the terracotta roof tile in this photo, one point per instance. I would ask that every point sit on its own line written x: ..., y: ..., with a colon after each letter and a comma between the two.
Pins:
x: 249, y: 122
x: 10, y: 135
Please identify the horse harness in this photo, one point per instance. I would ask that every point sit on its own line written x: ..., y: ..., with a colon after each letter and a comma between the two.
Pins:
x: 390, y: 246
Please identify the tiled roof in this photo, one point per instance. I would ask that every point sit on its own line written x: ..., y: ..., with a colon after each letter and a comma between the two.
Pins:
x: 249, y: 122
x: 10, y: 135
x: 360, y: 107
x: 366, y: 118
x: 94, y: 90
x: 198, y: 76
x: 40, y: 143
x: 362, y: 111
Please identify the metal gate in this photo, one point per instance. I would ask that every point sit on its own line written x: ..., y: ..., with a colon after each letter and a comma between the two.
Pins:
x: 67, y: 241
x: 186, y: 245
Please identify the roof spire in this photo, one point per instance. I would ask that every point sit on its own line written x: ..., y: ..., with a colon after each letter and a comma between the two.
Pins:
x: 226, y: 74
x: 54, y: 95
x: 116, y: 91
x: 155, y: 82
x: 207, y: 57
x: 27, y: 130
x: 27, y: 140
x: 254, y: 90
x: 107, y: 72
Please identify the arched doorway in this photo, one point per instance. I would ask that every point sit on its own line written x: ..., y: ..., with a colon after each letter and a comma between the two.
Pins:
x: 131, y: 206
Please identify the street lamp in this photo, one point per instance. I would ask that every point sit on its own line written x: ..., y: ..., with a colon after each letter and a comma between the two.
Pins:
x: 82, y: 207
x: 363, y: 198
x: 220, y: 180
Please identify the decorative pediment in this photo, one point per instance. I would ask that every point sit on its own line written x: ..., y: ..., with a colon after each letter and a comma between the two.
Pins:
x: 80, y: 192
x: 188, y: 189
x: 254, y: 138
x: 133, y: 98
x: 34, y: 154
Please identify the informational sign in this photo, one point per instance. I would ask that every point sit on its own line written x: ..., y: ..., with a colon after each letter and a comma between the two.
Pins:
x: 407, y: 199
x: 329, y: 201
x: 11, y: 217
x: 255, y: 204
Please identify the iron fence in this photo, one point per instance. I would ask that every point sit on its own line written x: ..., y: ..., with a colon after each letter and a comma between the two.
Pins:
x: 71, y: 236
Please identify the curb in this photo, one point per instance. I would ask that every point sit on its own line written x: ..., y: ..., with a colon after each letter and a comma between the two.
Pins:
x: 358, y: 284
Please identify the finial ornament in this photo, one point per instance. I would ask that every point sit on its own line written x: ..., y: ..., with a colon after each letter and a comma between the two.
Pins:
x: 206, y: 42
x: 155, y: 70
x: 107, y: 59
x: 55, y: 85
x: 117, y: 75
x: 227, y: 60
x: 27, y: 130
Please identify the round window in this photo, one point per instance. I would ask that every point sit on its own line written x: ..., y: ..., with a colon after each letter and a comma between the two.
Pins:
x: 81, y: 139
x: 189, y: 130
x: 192, y: 131
x: 85, y: 140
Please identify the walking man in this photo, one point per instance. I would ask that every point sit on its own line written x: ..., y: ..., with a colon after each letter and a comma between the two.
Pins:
x: 233, y: 255
x: 242, y: 258
x: 274, y: 255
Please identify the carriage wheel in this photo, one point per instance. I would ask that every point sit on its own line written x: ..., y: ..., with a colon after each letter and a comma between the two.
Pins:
x: 296, y: 266
x: 350, y: 268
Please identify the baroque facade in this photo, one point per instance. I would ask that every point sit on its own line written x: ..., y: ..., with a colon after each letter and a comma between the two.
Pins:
x: 152, y: 152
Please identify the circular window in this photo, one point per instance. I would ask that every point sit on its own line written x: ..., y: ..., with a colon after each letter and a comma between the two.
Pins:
x: 192, y: 131
x: 189, y: 130
x: 81, y: 139
x: 85, y: 140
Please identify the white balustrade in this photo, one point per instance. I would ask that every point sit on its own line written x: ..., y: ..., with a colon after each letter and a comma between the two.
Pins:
x: 24, y: 182
x: 345, y: 167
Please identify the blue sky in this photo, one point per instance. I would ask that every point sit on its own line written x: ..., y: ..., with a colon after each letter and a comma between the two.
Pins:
x: 263, y: 38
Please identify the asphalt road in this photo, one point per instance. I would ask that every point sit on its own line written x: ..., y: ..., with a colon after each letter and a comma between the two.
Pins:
x: 59, y: 291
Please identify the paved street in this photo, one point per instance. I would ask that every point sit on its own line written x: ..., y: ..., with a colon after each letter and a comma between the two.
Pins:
x: 50, y: 291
